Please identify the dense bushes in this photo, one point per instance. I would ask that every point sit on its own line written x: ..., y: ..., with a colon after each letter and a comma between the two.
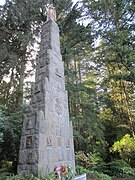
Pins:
x: 80, y: 170
x: 125, y: 147
x: 88, y: 160
x: 10, y: 134
x: 91, y: 174
x: 117, y: 168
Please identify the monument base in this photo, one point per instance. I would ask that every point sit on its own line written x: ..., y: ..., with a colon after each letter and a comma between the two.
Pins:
x: 80, y: 177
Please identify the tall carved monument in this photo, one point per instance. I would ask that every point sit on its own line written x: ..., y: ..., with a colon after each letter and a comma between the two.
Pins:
x: 47, y: 136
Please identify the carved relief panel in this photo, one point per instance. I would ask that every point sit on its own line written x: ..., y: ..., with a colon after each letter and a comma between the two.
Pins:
x: 29, y: 142
x: 58, y: 106
x: 49, y: 141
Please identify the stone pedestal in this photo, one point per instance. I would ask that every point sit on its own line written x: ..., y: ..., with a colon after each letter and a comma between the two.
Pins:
x: 47, y: 136
x: 80, y: 177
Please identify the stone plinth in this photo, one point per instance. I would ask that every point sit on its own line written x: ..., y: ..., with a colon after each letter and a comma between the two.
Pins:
x: 80, y: 177
x: 47, y: 136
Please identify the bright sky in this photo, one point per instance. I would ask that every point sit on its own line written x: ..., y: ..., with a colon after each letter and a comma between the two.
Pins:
x: 2, y: 2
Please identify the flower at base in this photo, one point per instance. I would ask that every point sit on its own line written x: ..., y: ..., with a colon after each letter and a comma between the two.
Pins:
x: 65, y: 172
x: 58, y: 171
x: 63, y: 168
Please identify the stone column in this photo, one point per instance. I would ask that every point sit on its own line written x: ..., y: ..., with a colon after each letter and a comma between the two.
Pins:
x: 47, y: 138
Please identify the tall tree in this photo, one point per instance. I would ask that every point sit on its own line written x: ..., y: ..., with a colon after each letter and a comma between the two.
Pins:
x: 113, y: 25
x: 76, y: 45
x: 20, y: 23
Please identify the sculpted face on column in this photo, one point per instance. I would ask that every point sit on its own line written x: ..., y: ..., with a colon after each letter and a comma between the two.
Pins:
x: 51, y: 13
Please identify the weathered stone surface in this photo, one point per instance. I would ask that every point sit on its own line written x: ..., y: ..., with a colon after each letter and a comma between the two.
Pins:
x: 22, y: 157
x: 47, y: 135
x: 59, y: 141
x: 23, y: 143
x: 49, y: 140
x: 29, y: 142
x: 32, y: 157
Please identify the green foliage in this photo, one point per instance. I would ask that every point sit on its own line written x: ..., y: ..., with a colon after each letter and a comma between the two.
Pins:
x: 118, y: 168
x: 82, y: 159
x: 103, y: 176
x: 29, y: 176
x: 95, y: 158
x: 65, y: 173
x: 88, y: 160
x: 11, y: 125
x: 3, y: 173
x: 6, y: 165
x: 50, y: 176
x: 81, y: 170
x: 112, y: 22
x: 99, y: 76
x: 92, y: 174
x: 125, y: 147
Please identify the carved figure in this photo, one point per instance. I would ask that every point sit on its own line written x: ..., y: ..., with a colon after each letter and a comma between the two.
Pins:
x: 29, y: 142
x: 58, y: 106
x: 29, y: 124
x: 49, y: 141
x: 51, y: 13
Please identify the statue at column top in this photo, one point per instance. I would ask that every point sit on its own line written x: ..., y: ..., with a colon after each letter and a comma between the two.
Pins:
x: 51, y: 13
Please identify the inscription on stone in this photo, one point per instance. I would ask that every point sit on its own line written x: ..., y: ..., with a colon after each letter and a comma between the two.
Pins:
x: 57, y: 73
x: 29, y: 124
x: 29, y: 142
x: 49, y: 141
x: 58, y: 106
x: 68, y: 143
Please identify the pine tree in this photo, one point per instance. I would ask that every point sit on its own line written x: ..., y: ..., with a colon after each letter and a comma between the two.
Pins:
x: 113, y: 24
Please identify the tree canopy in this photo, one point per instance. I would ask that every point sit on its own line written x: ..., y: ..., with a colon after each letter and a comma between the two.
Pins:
x: 98, y: 50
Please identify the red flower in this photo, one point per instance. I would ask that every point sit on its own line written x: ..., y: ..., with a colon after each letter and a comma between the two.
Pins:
x: 63, y: 169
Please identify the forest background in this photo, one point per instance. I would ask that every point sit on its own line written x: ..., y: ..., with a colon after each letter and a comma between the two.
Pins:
x: 98, y: 50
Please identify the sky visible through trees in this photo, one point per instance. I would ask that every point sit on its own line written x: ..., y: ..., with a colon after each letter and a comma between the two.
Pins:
x: 2, y: 2
x: 100, y: 79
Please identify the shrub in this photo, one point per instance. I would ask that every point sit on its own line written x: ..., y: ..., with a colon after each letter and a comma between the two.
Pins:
x: 28, y: 176
x: 103, y: 176
x: 3, y: 173
x: 81, y: 170
x: 10, y: 134
x: 92, y: 174
x: 118, y: 168
x: 88, y: 160
x: 125, y: 147
x: 82, y: 159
